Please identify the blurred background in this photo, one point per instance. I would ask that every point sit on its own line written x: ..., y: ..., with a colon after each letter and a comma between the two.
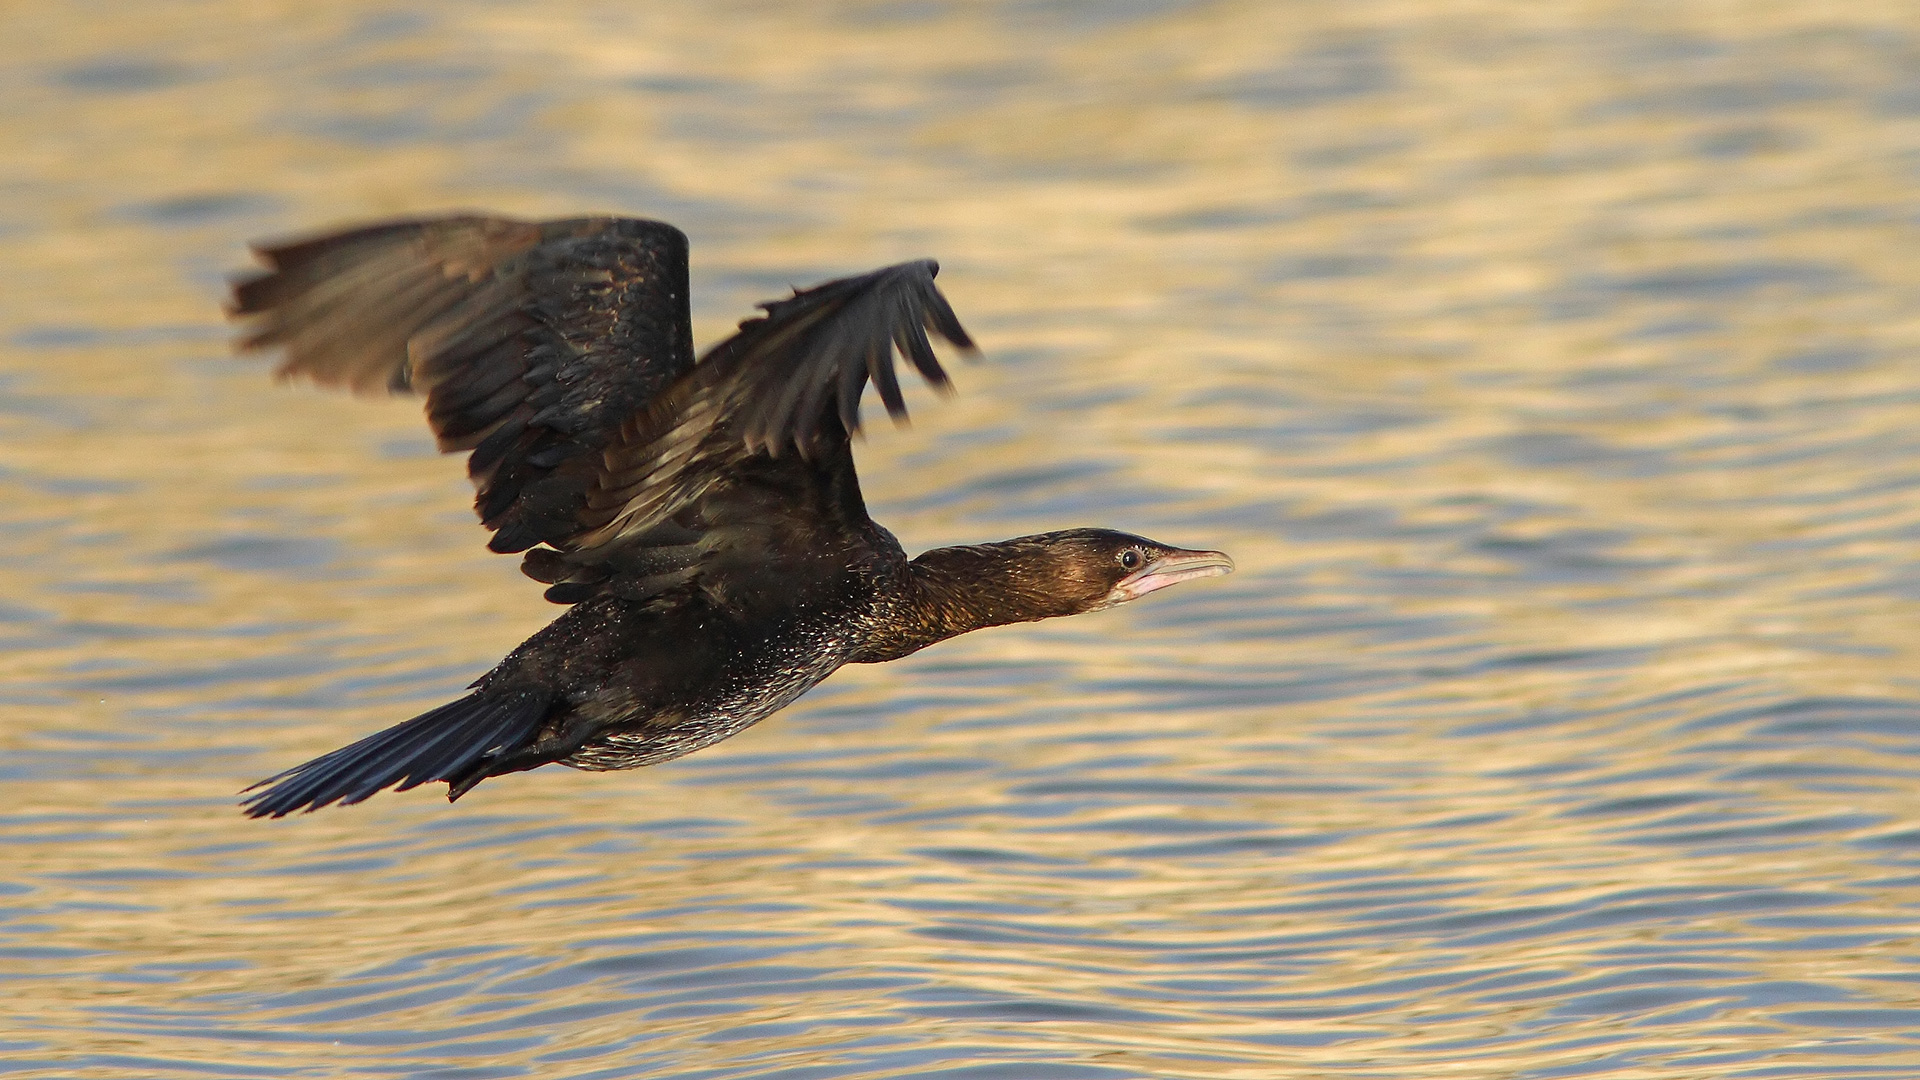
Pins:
x: 1548, y: 368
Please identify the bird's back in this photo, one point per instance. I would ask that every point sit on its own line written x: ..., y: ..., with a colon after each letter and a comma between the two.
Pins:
x: 643, y: 679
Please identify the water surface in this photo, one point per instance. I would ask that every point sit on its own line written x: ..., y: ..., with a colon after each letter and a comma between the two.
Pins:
x: 1550, y: 371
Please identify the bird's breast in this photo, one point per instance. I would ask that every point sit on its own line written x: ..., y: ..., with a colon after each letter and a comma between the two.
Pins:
x: 732, y: 680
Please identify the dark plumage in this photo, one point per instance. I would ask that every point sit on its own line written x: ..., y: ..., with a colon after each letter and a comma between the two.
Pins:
x: 703, y: 519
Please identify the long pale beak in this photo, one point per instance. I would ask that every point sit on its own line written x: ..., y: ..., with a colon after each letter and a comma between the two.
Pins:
x: 1170, y: 569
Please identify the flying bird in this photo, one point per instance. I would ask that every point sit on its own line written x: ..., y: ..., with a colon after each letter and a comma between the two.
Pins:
x: 700, y: 518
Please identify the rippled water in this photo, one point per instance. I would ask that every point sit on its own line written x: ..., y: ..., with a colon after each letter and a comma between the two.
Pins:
x: 1550, y: 370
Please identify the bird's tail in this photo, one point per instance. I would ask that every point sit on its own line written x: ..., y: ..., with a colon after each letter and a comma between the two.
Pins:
x: 455, y: 742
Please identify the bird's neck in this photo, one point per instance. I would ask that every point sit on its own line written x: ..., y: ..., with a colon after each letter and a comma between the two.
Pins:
x: 951, y: 591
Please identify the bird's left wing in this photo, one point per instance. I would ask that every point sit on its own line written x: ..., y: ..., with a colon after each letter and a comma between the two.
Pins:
x: 530, y: 340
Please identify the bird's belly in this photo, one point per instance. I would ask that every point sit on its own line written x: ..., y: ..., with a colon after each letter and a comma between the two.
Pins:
x: 753, y: 686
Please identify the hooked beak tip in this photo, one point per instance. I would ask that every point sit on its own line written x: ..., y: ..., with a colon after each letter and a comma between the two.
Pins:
x: 1171, y: 569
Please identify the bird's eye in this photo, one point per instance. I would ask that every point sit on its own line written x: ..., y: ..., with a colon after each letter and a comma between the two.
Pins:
x: 1131, y: 559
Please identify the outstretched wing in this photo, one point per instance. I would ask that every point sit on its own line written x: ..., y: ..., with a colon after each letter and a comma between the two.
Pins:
x: 746, y: 455
x: 531, y: 341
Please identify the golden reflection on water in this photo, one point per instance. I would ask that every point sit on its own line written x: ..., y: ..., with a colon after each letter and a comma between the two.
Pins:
x: 1547, y: 369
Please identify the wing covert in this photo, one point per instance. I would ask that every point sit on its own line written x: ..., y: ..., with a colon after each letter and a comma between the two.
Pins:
x: 788, y: 381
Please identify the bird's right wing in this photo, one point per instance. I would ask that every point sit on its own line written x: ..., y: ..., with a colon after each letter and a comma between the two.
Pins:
x: 757, y: 433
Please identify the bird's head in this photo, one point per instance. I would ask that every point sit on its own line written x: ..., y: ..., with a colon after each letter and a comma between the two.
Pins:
x: 1057, y: 573
x: 1091, y: 569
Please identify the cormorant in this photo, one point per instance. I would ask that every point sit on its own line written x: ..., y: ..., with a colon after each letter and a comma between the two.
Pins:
x: 702, y: 518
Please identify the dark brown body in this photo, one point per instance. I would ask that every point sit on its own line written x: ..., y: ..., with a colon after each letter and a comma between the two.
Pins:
x: 703, y: 519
